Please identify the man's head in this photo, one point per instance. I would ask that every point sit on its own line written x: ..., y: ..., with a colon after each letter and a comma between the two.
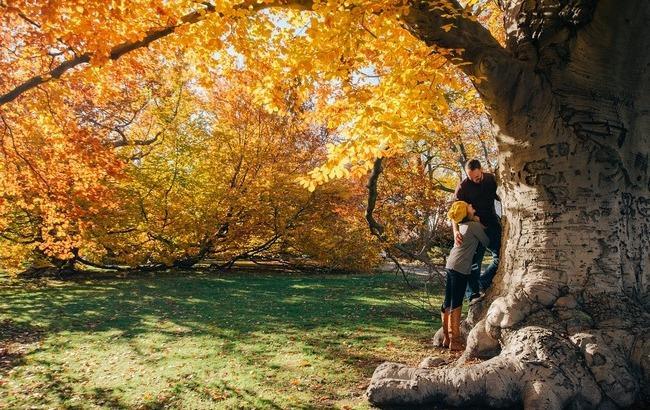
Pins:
x: 474, y: 171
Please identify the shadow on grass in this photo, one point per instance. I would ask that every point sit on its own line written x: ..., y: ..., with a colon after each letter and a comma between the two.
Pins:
x: 246, y: 398
x: 210, y: 305
x: 16, y: 340
x: 107, y: 398
x: 326, y: 314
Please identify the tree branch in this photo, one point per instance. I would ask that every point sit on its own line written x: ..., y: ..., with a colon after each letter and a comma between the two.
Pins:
x: 120, y: 268
x: 152, y: 35
x: 376, y: 228
x: 493, y: 69
x: 495, y: 72
x: 439, y: 185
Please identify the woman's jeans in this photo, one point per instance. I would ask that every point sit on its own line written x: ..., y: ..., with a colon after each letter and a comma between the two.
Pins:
x: 478, y: 281
x: 454, y: 289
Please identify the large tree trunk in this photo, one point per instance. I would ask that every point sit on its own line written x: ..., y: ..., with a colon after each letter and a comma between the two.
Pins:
x: 566, y: 321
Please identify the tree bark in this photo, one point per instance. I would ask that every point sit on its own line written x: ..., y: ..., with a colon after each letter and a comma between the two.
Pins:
x: 566, y: 321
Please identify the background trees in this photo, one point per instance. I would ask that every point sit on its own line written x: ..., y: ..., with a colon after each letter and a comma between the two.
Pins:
x: 191, y: 174
x: 192, y: 149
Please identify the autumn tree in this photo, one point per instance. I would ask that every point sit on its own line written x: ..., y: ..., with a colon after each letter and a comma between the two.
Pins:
x: 565, y: 323
x: 205, y: 174
x: 409, y: 193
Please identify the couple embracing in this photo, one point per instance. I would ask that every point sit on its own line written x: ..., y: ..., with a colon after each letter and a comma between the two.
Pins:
x: 477, y: 229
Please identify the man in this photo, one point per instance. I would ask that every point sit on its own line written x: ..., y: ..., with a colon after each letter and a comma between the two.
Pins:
x: 480, y: 190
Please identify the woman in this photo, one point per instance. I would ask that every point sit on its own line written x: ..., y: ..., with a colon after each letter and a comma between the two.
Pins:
x: 458, y: 268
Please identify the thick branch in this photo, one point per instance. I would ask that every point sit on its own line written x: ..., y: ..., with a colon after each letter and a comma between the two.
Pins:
x: 120, y: 268
x: 510, y: 88
x: 124, y: 48
x: 479, y: 51
x: 545, y: 38
x: 376, y: 228
x: 450, y: 27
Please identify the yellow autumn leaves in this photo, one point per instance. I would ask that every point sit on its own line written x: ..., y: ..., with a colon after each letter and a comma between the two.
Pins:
x: 345, y: 73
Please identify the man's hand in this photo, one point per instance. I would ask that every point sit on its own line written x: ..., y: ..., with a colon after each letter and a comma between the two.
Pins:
x: 458, y: 238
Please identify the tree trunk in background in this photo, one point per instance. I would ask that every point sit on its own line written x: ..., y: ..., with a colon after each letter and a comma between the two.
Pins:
x: 566, y: 322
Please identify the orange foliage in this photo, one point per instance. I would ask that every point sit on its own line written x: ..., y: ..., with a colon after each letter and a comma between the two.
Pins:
x: 149, y: 157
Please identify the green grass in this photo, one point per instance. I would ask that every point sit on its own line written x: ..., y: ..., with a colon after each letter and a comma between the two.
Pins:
x: 204, y: 341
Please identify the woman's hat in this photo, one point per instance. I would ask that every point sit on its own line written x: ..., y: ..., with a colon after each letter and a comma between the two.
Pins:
x: 458, y: 211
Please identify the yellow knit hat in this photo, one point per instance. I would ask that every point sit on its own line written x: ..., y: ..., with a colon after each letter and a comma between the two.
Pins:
x: 458, y: 211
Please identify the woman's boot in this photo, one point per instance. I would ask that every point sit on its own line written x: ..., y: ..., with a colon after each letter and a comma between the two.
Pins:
x: 456, y: 341
x: 444, y: 318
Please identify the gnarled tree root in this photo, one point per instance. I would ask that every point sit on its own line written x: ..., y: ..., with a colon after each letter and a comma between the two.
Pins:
x: 536, y: 367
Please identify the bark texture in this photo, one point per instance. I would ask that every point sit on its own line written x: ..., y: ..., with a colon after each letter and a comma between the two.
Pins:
x: 566, y: 322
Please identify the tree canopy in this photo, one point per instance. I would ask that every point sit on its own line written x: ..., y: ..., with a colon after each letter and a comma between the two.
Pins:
x: 140, y: 133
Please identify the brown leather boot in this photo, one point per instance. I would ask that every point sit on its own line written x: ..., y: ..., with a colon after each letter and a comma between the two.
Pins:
x: 456, y: 341
x: 444, y: 318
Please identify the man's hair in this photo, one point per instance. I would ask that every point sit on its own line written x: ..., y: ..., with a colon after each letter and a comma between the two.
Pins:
x: 473, y: 164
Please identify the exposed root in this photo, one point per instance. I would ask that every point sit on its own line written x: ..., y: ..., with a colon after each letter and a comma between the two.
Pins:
x: 509, y: 310
x: 536, y: 367
x: 609, y: 364
x: 480, y: 344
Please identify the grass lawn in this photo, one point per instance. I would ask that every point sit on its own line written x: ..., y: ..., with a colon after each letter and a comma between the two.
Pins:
x: 204, y: 341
